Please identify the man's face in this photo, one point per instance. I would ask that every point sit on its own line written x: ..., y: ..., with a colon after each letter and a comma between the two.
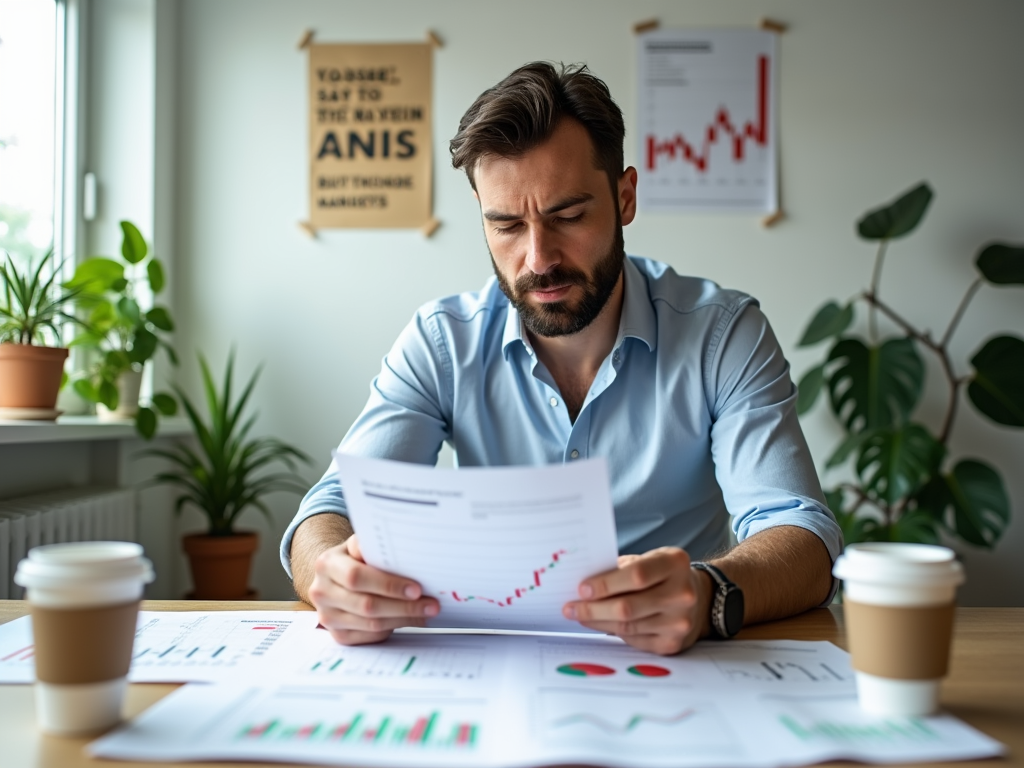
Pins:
x: 554, y: 230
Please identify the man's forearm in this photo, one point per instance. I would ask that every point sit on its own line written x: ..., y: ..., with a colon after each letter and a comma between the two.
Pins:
x: 314, y: 535
x: 782, y: 571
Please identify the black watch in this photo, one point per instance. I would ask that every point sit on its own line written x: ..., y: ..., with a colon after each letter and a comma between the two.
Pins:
x: 726, y: 604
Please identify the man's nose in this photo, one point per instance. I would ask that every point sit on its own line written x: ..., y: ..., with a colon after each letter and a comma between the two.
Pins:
x: 543, y: 253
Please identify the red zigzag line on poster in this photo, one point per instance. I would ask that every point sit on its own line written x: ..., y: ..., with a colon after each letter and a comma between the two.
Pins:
x: 758, y: 133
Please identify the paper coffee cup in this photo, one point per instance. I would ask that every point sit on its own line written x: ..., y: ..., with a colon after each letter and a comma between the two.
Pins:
x: 84, y: 599
x: 899, y: 602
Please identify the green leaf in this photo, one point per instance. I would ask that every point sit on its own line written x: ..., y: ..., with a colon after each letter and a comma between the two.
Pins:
x: 108, y: 395
x: 155, y: 271
x: 1002, y: 264
x: 915, y: 527
x: 86, y: 390
x: 129, y: 310
x: 133, y: 247
x: 145, y: 422
x: 119, y: 285
x: 166, y: 404
x: 997, y: 387
x: 143, y: 345
x: 850, y: 444
x: 894, y: 463
x: 874, y: 386
x: 808, y: 389
x: 97, y: 274
x: 981, y: 505
x: 829, y: 321
x: 857, y: 528
x: 161, y: 318
x: 899, y: 217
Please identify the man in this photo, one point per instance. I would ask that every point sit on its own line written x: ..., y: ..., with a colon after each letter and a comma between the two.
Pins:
x: 573, y: 351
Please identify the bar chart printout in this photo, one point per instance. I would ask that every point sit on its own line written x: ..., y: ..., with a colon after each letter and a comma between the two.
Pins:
x: 707, y: 121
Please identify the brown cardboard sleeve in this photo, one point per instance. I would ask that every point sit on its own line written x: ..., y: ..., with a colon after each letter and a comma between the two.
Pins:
x: 83, y: 645
x: 899, y: 642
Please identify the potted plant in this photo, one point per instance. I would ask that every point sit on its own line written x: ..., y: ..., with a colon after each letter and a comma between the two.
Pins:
x: 906, y: 487
x: 229, y: 474
x: 121, y: 336
x: 32, y: 306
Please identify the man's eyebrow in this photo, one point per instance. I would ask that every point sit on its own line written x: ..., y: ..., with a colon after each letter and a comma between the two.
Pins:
x: 561, y: 205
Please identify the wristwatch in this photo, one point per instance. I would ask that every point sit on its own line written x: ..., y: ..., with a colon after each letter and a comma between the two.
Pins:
x: 726, y: 604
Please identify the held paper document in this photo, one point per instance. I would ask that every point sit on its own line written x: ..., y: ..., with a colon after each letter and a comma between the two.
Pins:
x: 459, y: 700
x: 501, y: 548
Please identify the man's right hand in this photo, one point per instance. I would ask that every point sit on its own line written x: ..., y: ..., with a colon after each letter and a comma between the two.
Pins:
x: 360, y: 604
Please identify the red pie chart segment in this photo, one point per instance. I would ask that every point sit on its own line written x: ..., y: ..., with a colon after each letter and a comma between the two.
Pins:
x: 582, y: 669
x: 649, y: 670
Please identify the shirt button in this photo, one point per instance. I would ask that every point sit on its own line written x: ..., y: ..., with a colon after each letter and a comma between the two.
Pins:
x: 575, y: 454
x: 554, y: 402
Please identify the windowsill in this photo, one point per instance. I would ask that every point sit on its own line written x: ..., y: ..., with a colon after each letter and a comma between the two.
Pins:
x: 74, y: 428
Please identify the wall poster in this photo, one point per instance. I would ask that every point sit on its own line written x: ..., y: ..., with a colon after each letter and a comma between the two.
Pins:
x: 707, y: 120
x: 370, y: 142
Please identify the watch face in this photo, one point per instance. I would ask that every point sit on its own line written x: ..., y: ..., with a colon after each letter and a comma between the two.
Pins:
x: 733, y: 614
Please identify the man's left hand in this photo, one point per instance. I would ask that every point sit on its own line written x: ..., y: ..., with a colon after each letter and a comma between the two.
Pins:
x: 653, y: 601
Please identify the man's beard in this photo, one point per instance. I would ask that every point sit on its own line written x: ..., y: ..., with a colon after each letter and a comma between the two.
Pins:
x: 564, y: 318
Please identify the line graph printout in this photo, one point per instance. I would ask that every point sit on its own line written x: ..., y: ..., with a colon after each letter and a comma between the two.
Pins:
x: 707, y: 120
x: 173, y: 647
x: 501, y: 548
x: 516, y: 714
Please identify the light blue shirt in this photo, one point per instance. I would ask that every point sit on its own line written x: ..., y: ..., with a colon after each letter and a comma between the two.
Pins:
x: 693, y: 409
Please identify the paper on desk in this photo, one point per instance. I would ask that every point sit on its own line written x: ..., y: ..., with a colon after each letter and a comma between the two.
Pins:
x: 174, y: 647
x: 433, y: 700
x: 498, y: 547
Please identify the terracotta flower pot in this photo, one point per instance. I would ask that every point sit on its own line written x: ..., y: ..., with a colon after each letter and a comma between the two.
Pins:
x: 30, y: 375
x: 220, y: 564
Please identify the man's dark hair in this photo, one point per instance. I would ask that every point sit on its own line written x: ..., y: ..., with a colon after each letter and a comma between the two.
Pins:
x: 523, y: 110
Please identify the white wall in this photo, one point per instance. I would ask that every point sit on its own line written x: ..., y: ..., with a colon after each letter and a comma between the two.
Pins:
x: 875, y: 95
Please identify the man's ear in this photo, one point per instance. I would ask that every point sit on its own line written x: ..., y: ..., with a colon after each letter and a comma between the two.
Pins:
x: 627, y: 195
x: 475, y: 195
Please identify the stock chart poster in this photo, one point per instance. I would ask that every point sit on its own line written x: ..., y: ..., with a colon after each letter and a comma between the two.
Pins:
x: 708, y: 130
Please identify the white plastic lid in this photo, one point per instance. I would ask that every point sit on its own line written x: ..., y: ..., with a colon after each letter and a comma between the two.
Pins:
x: 84, y: 563
x: 898, y: 563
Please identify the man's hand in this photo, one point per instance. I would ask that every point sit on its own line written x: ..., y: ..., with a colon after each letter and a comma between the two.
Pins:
x: 358, y: 603
x: 653, y: 601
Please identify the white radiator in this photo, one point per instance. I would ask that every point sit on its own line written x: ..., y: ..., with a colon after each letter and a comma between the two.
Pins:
x: 73, y: 514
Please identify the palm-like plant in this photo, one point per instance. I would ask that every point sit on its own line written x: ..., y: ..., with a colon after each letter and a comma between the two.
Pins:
x: 230, y: 473
x: 33, y: 304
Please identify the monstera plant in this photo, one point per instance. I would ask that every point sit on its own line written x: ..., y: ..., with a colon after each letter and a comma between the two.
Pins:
x: 909, y: 486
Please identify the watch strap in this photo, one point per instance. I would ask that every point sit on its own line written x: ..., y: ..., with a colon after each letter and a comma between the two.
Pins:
x: 723, y: 589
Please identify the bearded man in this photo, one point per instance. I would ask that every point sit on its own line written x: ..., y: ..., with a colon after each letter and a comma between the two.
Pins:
x: 575, y: 350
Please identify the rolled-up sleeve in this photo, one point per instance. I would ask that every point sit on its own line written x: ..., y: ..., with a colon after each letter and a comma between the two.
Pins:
x: 762, y: 462
x: 407, y: 417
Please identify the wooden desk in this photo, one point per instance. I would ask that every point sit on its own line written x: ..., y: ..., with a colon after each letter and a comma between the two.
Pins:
x: 985, y: 686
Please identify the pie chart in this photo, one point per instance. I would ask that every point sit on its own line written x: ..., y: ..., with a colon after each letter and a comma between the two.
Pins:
x: 649, y: 670
x: 583, y: 669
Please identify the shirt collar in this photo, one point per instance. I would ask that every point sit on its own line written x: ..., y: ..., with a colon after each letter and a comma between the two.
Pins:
x: 637, y: 319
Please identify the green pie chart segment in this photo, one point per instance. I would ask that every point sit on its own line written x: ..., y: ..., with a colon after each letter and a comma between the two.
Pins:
x: 582, y: 669
x: 649, y: 670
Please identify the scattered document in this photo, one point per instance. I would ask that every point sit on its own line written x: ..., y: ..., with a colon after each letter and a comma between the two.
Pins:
x: 173, y: 647
x: 444, y: 700
x: 499, y: 548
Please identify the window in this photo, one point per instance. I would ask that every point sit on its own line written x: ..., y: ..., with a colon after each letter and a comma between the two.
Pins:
x: 29, y: 181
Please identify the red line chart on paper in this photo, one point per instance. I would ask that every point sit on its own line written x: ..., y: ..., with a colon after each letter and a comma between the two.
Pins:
x: 516, y: 593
